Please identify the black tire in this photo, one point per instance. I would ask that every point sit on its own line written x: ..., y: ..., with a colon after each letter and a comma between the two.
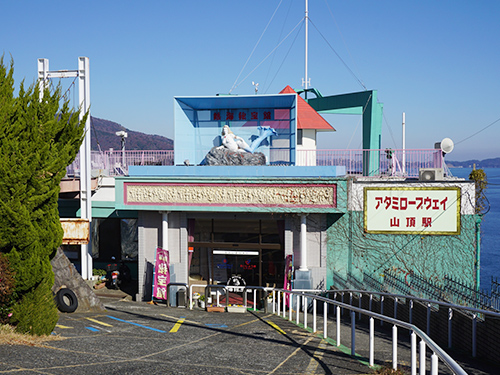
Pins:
x: 66, y: 300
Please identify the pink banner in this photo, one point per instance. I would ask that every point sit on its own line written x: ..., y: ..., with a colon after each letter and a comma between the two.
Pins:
x: 288, y: 276
x: 162, y: 274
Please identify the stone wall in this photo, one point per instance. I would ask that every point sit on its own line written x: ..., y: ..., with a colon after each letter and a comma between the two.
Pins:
x: 66, y: 276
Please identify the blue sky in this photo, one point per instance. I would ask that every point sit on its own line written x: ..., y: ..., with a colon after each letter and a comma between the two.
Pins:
x: 437, y: 61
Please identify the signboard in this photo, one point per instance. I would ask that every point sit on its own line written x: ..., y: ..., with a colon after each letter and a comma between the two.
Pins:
x: 288, y: 276
x: 236, y: 284
x: 76, y: 231
x: 162, y: 274
x: 231, y: 195
x: 412, y: 210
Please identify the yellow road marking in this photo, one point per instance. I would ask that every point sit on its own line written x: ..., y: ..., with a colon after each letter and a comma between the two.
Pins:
x: 291, y: 355
x: 61, y: 326
x: 177, y: 325
x: 317, y: 356
x: 99, y: 322
x: 275, y: 326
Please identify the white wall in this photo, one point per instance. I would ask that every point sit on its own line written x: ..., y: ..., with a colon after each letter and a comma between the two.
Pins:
x: 306, y: 152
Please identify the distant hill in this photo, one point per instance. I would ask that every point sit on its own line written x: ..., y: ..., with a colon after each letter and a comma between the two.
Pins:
x: 487, y: 163
x: 104, y: 132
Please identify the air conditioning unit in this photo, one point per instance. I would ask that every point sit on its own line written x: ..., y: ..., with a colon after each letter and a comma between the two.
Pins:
x: 431, y: 174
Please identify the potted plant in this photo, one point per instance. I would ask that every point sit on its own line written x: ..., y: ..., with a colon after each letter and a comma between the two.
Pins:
x: 201, y: 301
x: 99, y: 278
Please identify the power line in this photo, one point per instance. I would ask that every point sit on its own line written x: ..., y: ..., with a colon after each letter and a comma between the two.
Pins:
x: 476, y: 133
x: 251, y: 53
x: 265, y: 58
x: 340, y: 58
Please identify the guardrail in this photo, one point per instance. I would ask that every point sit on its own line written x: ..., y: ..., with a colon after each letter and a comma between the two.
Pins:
x: 295, y: 304
x: 416, y: 333
x: 382, y: 162
x: 430, y: 304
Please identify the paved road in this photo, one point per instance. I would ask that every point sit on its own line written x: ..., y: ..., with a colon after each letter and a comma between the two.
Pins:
x: 138, y: 338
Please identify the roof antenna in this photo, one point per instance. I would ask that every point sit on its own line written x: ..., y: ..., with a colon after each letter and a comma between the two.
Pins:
x: 256, y: 85
x: 306, y: 81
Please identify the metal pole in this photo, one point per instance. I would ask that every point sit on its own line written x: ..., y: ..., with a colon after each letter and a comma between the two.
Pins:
x: 284, y: 305
x: 338, y: 325
x: 395, y: 308
x: 413, y: 353
x: 314, y: 314
x: 305, y: 311
x: 422, y: 357
x: 306, y: 79
x: 394, y: 347
x: 279, y: 304
x: 381, y: 309
x: 298, y: 309
x: 372, y: 341
x: 450, y: 316
x: 254, y: 299
x: 359, y: 304
x: 474, y: 324
x: 434, y: 364
x: 404, y: 145
x: 325, y: 317
x: 428, y: 319
x: 353, y: 333
x: 274, y: 306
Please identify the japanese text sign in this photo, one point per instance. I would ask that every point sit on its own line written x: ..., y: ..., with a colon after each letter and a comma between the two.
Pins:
x: 412, y: 210
x: 162, y: 274
x: 242, y: 115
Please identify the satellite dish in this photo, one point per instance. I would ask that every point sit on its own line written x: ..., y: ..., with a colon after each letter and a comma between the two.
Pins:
x: 447, y: 145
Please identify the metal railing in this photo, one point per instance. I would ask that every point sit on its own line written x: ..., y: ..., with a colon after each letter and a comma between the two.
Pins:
x: 284, y: 308
x: 430, y: 304
x: 383, y: 162
x: 295, y: 306
x: 449, y: 290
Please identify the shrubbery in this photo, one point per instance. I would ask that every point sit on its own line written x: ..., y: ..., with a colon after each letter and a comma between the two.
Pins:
x: 6, y: 290
x: 39, y: 138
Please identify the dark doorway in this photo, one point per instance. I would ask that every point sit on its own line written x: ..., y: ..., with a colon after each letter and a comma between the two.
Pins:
x: 251, y: 250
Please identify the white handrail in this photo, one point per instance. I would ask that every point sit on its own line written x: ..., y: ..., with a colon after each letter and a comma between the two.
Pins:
x: 425, y: 340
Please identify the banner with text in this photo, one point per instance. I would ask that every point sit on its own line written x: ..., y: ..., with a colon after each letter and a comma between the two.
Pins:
x: 412, y: 210
x: 162, y: 274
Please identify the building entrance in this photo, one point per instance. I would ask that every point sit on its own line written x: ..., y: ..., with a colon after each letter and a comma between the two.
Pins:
x: 236, y: 253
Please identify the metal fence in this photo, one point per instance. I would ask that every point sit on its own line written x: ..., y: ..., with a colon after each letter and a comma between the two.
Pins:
x: 375, y: 163
x: 449, y: 290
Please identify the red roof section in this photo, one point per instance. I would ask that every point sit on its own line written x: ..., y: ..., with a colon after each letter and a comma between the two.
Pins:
x: 307, y: 117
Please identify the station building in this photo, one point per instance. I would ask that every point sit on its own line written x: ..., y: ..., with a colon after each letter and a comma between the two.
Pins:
x: 335, y: 219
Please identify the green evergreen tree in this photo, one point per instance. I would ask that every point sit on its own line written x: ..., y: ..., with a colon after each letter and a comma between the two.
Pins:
x: 38, y: 140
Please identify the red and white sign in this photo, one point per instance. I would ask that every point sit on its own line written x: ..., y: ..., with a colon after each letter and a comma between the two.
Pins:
x: 162, y: 274
x: 412, y: 210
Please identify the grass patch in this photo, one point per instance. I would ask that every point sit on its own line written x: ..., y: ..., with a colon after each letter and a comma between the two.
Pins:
x: 389, y: 371
x: 8, y: 336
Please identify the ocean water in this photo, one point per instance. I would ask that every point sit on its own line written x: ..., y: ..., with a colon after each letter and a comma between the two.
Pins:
x: 490, y: 226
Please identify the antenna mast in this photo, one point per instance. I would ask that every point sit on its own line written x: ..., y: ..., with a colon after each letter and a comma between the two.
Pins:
x: 306, y: 79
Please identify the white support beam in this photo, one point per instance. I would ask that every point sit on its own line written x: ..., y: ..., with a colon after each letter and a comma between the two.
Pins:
x: 85, y: 167
x: 164, y: 230
x: 303, y: 242
x: 43, y: 70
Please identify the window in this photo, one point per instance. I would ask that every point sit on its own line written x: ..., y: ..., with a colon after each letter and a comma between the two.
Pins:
x: 299, y: 137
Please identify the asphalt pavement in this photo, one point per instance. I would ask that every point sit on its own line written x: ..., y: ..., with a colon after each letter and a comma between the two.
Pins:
x: 139, y: 338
